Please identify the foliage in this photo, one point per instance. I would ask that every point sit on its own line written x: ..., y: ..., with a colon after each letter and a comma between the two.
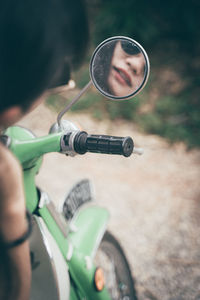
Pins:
x: 173, y: 120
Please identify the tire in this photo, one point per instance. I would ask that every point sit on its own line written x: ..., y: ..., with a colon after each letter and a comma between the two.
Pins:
x: 118, y: 279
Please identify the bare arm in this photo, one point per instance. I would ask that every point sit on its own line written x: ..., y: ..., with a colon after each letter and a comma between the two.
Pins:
x: 13, y: 223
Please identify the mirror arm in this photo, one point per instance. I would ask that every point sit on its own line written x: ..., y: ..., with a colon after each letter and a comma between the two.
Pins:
x: 60, y: 115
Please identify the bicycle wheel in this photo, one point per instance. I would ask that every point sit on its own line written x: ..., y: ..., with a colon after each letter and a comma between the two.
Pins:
x: 118, y: 279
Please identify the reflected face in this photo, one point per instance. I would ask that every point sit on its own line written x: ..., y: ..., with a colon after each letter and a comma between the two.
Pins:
x: 126, y: 72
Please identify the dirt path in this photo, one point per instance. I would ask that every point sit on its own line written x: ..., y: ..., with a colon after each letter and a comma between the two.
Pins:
x: 154, y: 202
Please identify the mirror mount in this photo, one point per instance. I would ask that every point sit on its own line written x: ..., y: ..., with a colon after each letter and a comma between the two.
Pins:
x: 74, y: 100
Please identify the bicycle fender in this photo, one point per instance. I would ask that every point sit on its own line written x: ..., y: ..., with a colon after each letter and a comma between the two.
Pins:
x: 89, y: 225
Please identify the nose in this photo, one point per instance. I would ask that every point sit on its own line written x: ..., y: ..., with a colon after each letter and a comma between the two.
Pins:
x: 136, y: 63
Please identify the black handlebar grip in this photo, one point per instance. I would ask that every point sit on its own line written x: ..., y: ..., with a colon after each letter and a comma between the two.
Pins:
x: 106, y: 144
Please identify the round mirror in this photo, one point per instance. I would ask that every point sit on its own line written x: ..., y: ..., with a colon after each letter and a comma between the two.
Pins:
x: 119, y: 68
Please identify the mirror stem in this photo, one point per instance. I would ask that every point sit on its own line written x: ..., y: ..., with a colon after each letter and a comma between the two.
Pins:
x: 60, y: 115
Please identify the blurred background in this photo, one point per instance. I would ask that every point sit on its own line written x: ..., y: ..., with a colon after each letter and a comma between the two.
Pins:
x: 169, y: 31
x: 154, y: 199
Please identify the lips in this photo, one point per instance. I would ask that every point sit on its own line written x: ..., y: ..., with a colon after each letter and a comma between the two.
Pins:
x: 122, y: 76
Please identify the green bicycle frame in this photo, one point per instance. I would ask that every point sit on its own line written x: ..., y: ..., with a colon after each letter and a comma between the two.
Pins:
x: 90, y: 221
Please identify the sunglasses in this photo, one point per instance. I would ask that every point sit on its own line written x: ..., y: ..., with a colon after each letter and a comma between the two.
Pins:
x: 130, y: 48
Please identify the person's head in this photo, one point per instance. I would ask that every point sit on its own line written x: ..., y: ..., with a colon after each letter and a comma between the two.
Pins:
x: 126, y: 70
x: 39, y: 41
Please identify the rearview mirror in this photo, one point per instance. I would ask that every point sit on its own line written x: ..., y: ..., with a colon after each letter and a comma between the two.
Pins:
x: 119, y: 68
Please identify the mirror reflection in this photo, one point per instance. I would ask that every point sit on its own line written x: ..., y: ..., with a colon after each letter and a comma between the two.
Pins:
x: 119, y: 68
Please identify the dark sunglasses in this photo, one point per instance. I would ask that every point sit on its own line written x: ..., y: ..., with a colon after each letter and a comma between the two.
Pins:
x: 130, y: 48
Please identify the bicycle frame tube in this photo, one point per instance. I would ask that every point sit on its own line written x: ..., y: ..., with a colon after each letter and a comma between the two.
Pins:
x: 27, y: 147
x: 29, y: 150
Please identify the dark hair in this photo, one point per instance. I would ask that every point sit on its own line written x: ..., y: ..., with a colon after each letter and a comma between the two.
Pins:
x: 38, y: 39
x: 101, y: 68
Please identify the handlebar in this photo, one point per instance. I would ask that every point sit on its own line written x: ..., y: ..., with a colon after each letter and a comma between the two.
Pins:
x: 29, y: 149
x: 84, y: 142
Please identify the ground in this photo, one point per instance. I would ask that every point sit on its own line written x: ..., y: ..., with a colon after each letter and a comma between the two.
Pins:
x: 153, y: 199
